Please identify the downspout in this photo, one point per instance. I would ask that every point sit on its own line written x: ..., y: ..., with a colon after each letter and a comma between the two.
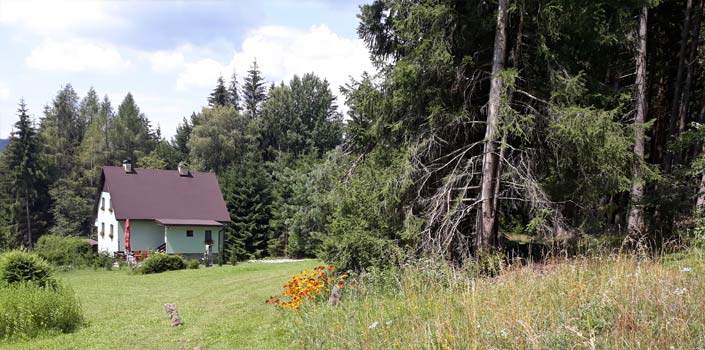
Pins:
x: 220, y: 246
x: 166, y: 248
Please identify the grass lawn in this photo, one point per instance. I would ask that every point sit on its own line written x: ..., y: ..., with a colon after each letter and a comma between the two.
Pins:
x: 222, y: 308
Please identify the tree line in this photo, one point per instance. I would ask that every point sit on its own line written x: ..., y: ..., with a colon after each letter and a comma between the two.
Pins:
x: 483, y: 122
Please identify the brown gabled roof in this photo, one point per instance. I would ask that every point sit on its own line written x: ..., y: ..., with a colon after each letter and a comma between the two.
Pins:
x: 147, y: 194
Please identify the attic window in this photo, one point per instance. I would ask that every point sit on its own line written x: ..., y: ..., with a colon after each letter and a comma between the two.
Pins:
x: 102, y: 204
x: 189, y: 233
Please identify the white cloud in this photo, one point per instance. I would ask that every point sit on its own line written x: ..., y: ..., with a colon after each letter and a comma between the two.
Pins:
x: 76, y: 56
x: 199, y: 74
x: 282, y: 52
x: 53, y: 18
x: 166, y: 61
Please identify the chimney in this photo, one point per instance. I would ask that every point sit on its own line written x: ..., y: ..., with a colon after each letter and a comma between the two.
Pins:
x: 127, y: 165
x: 183, y: 169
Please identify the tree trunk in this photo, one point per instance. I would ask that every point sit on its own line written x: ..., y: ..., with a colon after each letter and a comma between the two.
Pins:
x: 635, y: 224
x: 487, y: 236
x: 29, y: 218
x: 679, y: 79
x: 683, y: 108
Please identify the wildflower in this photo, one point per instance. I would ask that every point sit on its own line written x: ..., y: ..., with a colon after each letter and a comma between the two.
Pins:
x: 373, y: 325
x: 388, y: 323
x: 679, y: 291
x: 686, y: 269
x: 503, y: 332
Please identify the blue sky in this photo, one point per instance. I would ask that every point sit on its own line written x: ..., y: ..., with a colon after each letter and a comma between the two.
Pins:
x: 168, y: 53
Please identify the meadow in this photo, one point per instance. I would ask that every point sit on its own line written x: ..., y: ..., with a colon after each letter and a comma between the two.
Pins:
x: 222, y: 308
x: 602, y: 302
x: 606, y: 302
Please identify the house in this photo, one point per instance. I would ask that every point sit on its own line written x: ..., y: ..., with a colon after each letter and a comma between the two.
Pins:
x: 178, y: 211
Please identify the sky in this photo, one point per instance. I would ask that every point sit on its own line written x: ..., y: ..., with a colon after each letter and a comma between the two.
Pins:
x: 168, y: 54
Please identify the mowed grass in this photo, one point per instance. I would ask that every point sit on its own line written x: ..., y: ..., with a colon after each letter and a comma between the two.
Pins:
x: 222, y: 308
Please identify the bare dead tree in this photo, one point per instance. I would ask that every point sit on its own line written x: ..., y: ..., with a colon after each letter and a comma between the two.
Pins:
x: 636, y: 216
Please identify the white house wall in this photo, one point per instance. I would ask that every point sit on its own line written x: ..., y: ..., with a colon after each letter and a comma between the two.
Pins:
x: 107, y: 217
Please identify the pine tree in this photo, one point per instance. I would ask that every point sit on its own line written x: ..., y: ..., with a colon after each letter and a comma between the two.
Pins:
x: 26, y: 180
x: 219, y: 96
x: 234, y: 92
x: 254, y: 91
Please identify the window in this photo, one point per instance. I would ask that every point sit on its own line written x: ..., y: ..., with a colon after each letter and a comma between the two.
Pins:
x: 189, y: 233
x: 209, y: 238
x: 111, y: 229
x: 102, y: 228
x: 102, y: 204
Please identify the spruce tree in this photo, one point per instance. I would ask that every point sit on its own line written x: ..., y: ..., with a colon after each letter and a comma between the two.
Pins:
x: 132, y: 133
x: 219, y: 96
x: 254, y: 91
x: 247, y: 191
x: 26, y: 181
x: 182, y: 137
x: 234, y: 92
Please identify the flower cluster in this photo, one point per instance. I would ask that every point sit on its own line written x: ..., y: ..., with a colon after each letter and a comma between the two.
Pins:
x: 311, y: 285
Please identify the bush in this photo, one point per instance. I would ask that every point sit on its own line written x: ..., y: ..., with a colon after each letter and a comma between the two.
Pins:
x: 65, y: 251
x: 19, y: 266
x: 29, y: 310
x: 159, y: 262
x: 104, y: 261
x: 193, y: 264
x: 359, y: 251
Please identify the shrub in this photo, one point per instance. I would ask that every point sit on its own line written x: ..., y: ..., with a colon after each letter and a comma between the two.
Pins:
x: 193, y: 264
x: 159, y: 262
x: 19, y: 266
x: 359, y: 251
x: 27, y: 310
x: 104, y: 261
x: 65, y: 251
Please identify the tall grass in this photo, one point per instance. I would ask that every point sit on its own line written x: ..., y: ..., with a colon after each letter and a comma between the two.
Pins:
x: 616, y: 302
x: 27, y: 310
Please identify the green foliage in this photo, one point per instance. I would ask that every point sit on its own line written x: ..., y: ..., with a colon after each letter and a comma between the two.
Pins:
x: 303, y: 209
x: 593, y: 157
x: 300, y: 117
x: 28, y: 310
x: 18, y: 266
x: 247, y: 191
x: 219, y: 96
x: 158, y: 263
x: 65, y: 251
x: 25, y: 185
x: 220, y: 137
x: 367, y: 225
x: 253, y: 91
x: 132, y: 135
x: 71, y: 211
x: 193, y: 265
x: 103, y: 260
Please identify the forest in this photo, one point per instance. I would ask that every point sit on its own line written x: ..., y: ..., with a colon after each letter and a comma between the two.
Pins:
x: 485, y: 124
